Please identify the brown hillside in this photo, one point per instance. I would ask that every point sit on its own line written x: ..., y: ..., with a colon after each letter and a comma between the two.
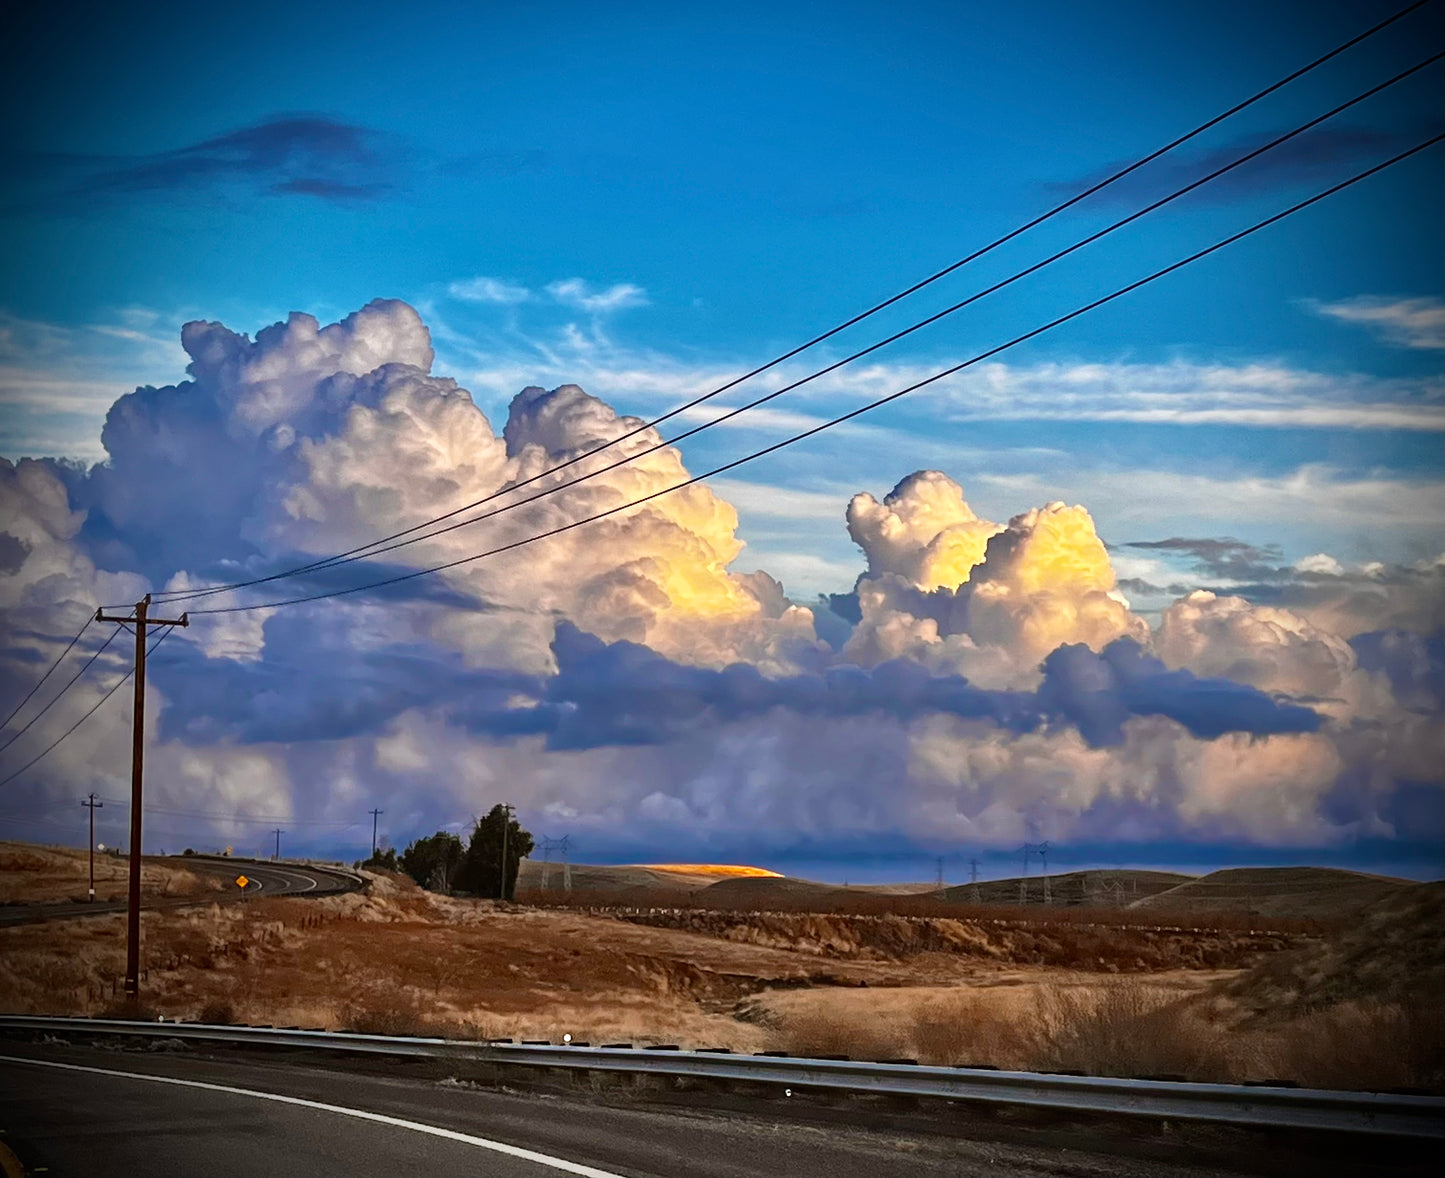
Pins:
x: 1304, y: 893
x: 1392, y: 953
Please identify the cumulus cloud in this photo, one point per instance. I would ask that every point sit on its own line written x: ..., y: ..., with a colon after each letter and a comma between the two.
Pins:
x: 1408, y: 323
x: 963, y: 593
x: 624, y: 681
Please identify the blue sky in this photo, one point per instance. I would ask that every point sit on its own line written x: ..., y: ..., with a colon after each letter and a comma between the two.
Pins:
x: 648, y: 199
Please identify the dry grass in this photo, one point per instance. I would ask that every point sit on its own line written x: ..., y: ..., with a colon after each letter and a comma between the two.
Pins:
x: 33, y: 874
x: 1133, y: 1029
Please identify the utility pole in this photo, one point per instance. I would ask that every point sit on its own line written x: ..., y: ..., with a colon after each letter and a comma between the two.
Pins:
x: 1044, y: 856
x: 137, y: 766
x: 506, y: 822
x: 1024, y: 879
x: 973, y: 880
x: 374, y: 815
x: 278, y: 832
x: 940, y: 873
x: 92, y: 805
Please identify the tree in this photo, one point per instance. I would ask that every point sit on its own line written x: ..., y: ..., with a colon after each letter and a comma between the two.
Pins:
x: 383, y: 858
x: 433, y: 861
x: 481, y: 870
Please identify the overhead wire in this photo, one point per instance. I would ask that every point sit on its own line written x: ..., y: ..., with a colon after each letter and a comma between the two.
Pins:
x: 15, y: 711
x: 973, y: 298
x: 361, y: 550
x: 798, y: 437
x: 93, y: 709
x: 61, y: 693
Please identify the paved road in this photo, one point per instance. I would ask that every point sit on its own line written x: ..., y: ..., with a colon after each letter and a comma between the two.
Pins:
x: 97, y: 1112
x: 266, y: 879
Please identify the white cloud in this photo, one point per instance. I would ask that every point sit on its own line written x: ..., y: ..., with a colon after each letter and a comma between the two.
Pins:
x: 311, y: 438
x: 488, y: 290
x: 1408, y: 323
x: 576, y: 292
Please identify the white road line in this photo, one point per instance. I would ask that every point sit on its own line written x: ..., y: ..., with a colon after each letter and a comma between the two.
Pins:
x: 541, y: 1159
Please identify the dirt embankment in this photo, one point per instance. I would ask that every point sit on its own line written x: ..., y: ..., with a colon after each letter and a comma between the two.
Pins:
x: 1110, y: 949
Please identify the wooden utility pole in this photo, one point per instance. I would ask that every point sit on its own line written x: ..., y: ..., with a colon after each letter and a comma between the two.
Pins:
x: 92, y: 805
x: 137, y: 763
x: 278, y: 832
x: 506, y: 822
x: 374, y: 815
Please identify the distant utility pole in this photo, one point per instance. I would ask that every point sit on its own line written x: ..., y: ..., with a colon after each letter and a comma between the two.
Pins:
x: 973, y: 880
x: 137, y: 764
x: 1024, y: 879
x: 1044, y: 856
x: 374, y: 815
x: 506, y: 822
x: 940, y: 873
x: 92, y: 805
x: 278, y: 832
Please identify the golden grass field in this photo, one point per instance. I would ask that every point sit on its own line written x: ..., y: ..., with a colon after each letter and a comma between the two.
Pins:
x: 1351, y: 1006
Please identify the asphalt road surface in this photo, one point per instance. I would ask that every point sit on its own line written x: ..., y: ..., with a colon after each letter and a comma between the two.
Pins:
x: 98, y: 1111
x: 265, y: 879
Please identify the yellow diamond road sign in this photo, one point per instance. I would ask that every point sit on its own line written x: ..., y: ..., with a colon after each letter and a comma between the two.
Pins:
x: 241, y: 881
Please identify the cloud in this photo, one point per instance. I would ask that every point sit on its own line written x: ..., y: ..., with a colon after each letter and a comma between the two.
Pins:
x: 626, y: 682
x: 1408, y: 323
x: 1322, y: 153
x: 488, y: 290
x: 1223, y: 557
x: 575, y: 292
x: 989, y: 601
x: 290, y: 155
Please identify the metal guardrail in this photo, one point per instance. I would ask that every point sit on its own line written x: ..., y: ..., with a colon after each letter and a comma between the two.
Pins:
x: 1292, y: 1108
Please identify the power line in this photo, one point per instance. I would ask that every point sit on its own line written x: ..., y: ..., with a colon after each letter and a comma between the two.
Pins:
x: 870, y: 406
x: 365, y: 549
x: 973, y: 298
x: 60, y: 694
x: 93, y: 709
x: 16, y: 710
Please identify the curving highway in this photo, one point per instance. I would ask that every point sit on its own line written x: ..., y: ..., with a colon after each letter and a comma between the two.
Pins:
x: 96, y: 1112
x: 264, y: 879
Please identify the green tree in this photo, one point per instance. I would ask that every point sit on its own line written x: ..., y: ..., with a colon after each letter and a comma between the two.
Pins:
x: 383, y: 857
x: 433, y: 861
x: 481, y: 871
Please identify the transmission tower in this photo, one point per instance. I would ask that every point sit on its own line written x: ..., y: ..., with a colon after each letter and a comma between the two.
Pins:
x: 561, y: 846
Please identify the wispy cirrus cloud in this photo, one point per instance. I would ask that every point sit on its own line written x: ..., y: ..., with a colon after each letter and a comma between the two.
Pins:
x: 488, y: 290
x: 1407, y: 323
x: 578, y: 293
x: 574, y: 293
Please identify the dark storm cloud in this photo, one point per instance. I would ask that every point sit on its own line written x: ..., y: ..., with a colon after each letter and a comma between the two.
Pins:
x: 621, y: 693
x: 1098, y: 692
x: 295, y: 155
x: 1320, y: 155
x: 1222, y: 557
